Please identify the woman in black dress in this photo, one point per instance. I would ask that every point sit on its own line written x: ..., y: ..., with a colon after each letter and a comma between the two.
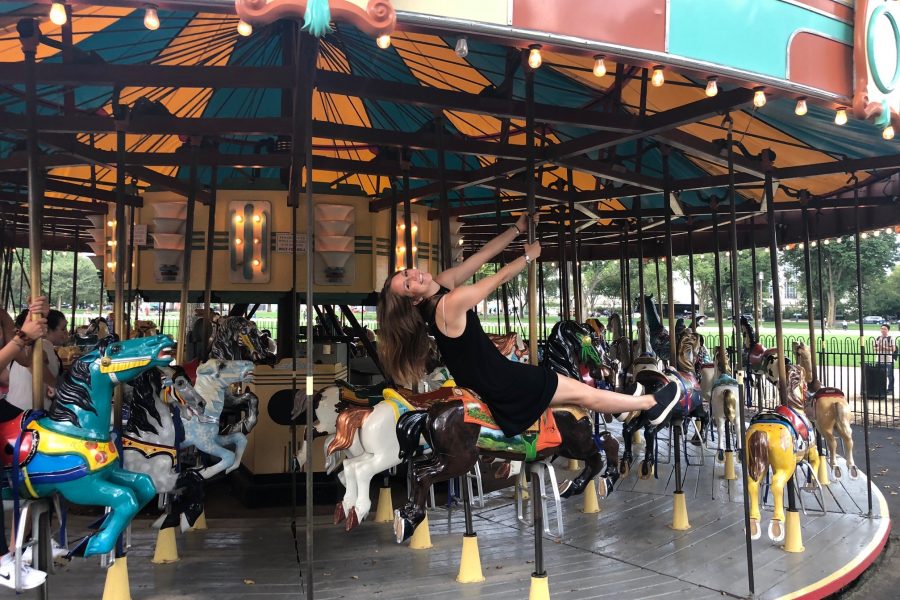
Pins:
x: 413, y: 304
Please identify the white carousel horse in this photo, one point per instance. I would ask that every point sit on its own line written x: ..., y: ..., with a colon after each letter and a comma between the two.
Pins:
x: 723, y: 402
x: 214, y: 378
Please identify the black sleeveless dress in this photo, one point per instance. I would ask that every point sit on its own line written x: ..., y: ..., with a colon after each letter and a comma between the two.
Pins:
x: 517, y: 393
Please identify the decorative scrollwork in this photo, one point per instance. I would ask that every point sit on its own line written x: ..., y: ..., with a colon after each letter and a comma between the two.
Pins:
x: 379, y: 17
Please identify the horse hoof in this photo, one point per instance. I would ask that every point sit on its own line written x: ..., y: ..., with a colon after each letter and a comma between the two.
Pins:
x: 755, y: 531
x: 720, y: 456
x: 352, y: 520
x: 646, y: 470
x: 837, y: 472
x: 503, y: 470
x: 854, y: 472
x: 339, y: 514
x: 776, y: 531
x: 624, y: 468
x: 565, y: 488
x: 403, y: 527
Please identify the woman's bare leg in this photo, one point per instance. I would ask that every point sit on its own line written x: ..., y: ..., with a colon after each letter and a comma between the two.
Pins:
x: 570, y: 391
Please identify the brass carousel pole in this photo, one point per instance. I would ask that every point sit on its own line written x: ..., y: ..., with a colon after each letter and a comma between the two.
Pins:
x: 407, y: 215
x: 736, y: 309
x: 717, y: 265
x: 823, y: 378
x: 186, y: 263
x: 562, y: 264
x: 29, y: 36
x: 207, y: 279
x: 776, y: 288
x: 690, y: 241
x: 862, y: 352
x: 627, y: 309
x: 75, y: 278
x: 810, y: 316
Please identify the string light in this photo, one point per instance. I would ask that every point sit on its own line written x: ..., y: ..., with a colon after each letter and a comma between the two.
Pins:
x: 658, y: 77
x: 244, y: 28
x: 801, y: 108
x: 534, y: 56
x: 840, y: 116
x: 58, y: 14
x: 462, y: 47
x: 759, y: 98
x: 826, y: 242
x: 599, y: 65
x: 383, y: 41
x: 151, y: 18
x: 888, y: 132
x: 712, y: 88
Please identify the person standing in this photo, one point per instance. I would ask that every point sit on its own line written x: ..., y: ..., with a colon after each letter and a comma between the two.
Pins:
x: 885, y: 347
x: 20, y: 378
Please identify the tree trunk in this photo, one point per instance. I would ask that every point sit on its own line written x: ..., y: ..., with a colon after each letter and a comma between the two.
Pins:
x: 829, y: 315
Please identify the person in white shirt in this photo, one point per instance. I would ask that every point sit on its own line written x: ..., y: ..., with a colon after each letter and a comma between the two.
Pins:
x: 20, y: 379
x: 885, y: 348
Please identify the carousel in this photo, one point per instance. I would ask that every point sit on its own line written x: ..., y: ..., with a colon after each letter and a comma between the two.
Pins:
x: 213, y: 157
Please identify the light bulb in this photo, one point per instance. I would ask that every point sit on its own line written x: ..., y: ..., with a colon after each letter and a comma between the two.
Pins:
x: 58, y: 14
x: 658, y: 77
x: 383, y: 41
x: 151, y: 18
x: 864, y: 235
x: 244, y: 28
x: 840, y: 117
x: 826, y: 242
x: 238, y: 219
x: 712, y: 88
x: 888, y: 132
x: 109, y: 243
x: 237, y: 241
x: 415, y: 228
x: 534, y: 57
x: 801, y: 108
x: 759, y: 98
x: 257, y: 218
x: 255, y: 262
x: 111, y: 223
x: 599, y: 66
x: 876, y: 233
x: 110, y: 265
x: 402, y: 226
x: 255, y: 240
x: 462, y: 47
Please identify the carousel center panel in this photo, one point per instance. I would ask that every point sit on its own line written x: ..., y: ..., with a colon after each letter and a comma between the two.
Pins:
x: 626, y: 551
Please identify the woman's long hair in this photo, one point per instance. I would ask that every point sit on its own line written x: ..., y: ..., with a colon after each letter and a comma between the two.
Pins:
x: 403, y: 343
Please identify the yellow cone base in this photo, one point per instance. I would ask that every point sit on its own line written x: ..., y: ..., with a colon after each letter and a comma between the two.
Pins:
x: 166, y: 548
x: 421, y: 537
x: 591, y: 505
x: 385, y: 511
x: 636, y: 437
x: 116, y: 586
x: 679, y: 513
x: 793, y: 537
x: 540, y: 588
x: 200, y: 523
x: 574, y: 465
x: 470, y: 562
x: 823, y: 472
x: 730, y: 475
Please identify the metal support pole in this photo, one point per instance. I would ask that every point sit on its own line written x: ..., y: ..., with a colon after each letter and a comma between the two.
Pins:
x: 52, y: 260
x: 776, y: 287
x: 529, y: 174
x: 823, y: 378
x: 563, y: 264
x: 757, y: 312
x: 862, y: 352
x: 670, y: 283
x: 392, y: 234
x: 30, y: 35
x: 736, y: 307
x: 626, y: 300
x: 186, y: 263
x: 538, y: 526
x: 642, y: 338
x: 714, y: 204
x: 446, y: 250
x: 207, y: 279
x: 810, y: 317
x: 129, y: 263
x: 407, y: 218
x: 75, y: 277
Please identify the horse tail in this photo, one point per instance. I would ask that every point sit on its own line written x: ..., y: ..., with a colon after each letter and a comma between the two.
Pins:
x: 409, y: 430
x: 840, y: 412
x: 348, y: 422
x: 729, y: 404
x: 758, y: 454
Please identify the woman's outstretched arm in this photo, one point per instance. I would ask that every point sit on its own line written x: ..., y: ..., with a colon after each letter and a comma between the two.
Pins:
x: 458, y: 275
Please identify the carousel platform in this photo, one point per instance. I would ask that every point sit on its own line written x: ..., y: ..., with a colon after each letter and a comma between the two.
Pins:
x: 626, y: 551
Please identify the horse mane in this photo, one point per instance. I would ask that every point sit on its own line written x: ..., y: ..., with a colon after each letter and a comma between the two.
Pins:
x: 686, y: 343
x: 722, y: 361
x: 74, y: 390
x: 145, y: 389
x: 223, y: 347
x: 796, y: 380
x: 801, y: 353
x: 614, y: 325
x: 563, y: 342
x: 748, y: 330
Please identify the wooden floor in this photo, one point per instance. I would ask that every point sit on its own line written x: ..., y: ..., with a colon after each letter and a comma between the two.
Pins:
x: 627, y: 551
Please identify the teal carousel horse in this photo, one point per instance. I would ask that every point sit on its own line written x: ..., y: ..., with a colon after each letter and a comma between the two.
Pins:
x: 69, y: 450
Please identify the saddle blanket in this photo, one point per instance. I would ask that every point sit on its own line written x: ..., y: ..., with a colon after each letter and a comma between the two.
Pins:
x: 541, y: 435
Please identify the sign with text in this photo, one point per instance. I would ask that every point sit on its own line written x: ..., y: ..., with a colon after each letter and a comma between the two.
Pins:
x: 283, y: 243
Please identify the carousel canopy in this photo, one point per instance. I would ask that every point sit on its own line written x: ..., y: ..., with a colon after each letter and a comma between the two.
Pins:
x: 423, y: 116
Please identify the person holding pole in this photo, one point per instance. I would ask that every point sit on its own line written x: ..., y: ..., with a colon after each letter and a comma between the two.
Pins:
x: 15, y: 346
x: 413, y: 304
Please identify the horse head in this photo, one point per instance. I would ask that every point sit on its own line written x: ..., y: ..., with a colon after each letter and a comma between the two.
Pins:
x: 749, y: 335
x: 687, y: 349
x: 802, y: 356
x: 614, y: 325
x: 563, y: 351
x: 235, y: 337
x: 214, y: 377
x: 796, y: 388
x: 177, y: 386
x: 144, y: 329
x: 124, y: 360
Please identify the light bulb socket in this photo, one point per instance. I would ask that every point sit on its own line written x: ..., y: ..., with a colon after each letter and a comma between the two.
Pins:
x: 759, y: 97
x: 840, y: 116
x: 58, y: 15
x: 658, y: 78
x: 462, y: 47
x: 599, y: 65
x: 801, y: 108
x: 712, y: 87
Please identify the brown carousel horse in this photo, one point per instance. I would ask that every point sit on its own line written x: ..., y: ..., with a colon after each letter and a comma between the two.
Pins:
x: 827, y: 408
x: 459, y: 428
x: 779, y: 439
x: 758, y: 360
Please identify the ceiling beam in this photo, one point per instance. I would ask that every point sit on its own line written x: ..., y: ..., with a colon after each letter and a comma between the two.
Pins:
x: 72, y: 189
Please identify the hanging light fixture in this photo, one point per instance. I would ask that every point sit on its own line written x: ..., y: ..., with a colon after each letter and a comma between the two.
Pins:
x: 801, y: 108
x: 840, y: 116
x: 151, y: 17
x: 712, y: 88
x: 534, y: 56
x: 462, y: 47
x: 599, y: 65
x: 888, y: 132
x: 658, y: 77
x: 58, y: 13
x: 244, y: 28
x: 383, y: 41
x: 759, y: 97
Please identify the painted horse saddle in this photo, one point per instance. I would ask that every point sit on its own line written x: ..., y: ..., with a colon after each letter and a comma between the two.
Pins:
x: 9, y: 433
x: 759, y: 356
x: 796, y: 421
x: 541, y: 435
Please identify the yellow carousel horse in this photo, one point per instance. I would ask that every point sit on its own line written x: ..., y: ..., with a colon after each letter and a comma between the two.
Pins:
x: 779, y: 439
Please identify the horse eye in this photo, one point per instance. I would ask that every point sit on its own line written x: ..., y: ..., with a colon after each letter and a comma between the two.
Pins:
x: 115, y: 349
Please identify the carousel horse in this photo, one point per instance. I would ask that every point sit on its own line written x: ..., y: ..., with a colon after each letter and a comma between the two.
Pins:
x: 510, y: 346
x: 779, y: 439
x: 723, y: 399
x: 759, y: 361
x: 458, y: 427
x: 144, y: 329
x: 688, y: 408
x: 620, y: 351
x: 214, y: 378
x: 153, y: 435
x: 827, y: 408
x: 659, y: 335
x: 96, y: 330
x: 69, y: 449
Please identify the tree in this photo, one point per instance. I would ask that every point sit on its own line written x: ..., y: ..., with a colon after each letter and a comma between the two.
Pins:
x: 600, y: 279
x: 886, y: 301
x: 877, y: 255
x: 87, y: 286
